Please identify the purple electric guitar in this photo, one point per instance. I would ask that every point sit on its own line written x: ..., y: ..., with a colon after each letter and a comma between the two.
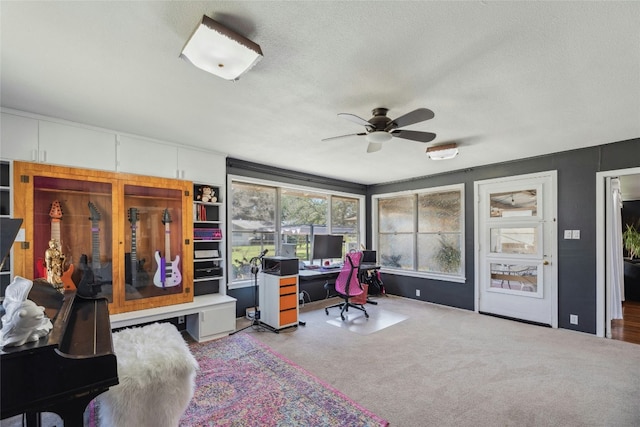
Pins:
x: 167, y: 274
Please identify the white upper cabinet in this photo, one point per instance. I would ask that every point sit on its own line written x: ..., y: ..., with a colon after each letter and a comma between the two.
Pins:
x: 18, y: 138
x: 68, y: 145
x: 201, y: 166
x: 145, y: 157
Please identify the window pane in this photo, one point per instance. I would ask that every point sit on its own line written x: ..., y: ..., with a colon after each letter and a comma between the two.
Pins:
x: 303, y: 214
x: 438, y: 212
x: 440, y: 253
x: 396, y: 215
x: 510, y: 204
x: 253, y: 211
x: 345, y: 220
x: 303, y: 208
x: 253, y: 207
x: 514, y: 240
x: 514, y: 277
x: 396, y: 251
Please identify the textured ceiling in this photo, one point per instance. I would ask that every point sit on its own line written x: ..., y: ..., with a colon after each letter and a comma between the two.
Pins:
x: 506, y: 80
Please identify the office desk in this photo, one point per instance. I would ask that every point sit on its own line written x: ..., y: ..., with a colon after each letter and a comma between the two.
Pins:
x: 313, y: 281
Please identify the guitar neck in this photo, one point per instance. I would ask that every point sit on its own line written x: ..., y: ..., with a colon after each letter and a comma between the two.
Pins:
x: 55, y: 230
x: 95, y: 242
x: 133, y: 245
x: 167, y: 242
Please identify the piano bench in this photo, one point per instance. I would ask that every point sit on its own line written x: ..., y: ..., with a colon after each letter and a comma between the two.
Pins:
x: 157, y: 374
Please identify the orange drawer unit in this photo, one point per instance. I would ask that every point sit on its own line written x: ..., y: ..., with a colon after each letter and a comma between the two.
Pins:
x: 279, y: 301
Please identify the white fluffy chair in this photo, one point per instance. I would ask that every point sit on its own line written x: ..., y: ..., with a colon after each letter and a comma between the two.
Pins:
x: 157, y: 378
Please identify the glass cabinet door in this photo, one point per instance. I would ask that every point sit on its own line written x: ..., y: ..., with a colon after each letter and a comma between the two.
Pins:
x: 153, y: 262
x: 72, y: 240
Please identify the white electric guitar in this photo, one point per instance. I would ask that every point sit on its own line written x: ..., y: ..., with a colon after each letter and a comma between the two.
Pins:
x: 167, y: 274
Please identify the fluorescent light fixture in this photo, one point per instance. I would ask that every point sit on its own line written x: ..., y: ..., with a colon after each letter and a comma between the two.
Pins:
x: 443, y: 152
x: 216, y: 49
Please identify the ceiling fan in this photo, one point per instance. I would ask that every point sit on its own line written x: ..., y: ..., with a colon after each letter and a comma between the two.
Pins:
x: 380, y: 128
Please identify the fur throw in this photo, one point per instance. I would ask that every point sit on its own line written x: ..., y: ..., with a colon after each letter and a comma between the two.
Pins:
x: 157, y: 374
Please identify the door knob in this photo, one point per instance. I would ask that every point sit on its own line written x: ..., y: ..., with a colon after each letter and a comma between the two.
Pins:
x: 545, y: 262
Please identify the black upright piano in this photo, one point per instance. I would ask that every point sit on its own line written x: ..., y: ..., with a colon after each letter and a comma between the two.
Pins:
x: 65, y: 370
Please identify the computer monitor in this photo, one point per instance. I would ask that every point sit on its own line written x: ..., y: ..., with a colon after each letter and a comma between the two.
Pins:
x: 327, y: 246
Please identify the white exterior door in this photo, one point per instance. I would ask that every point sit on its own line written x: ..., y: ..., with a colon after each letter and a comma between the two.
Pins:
x: 516, y: 247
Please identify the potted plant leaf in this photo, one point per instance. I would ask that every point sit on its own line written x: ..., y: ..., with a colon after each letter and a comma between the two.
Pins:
x: 631, y: 241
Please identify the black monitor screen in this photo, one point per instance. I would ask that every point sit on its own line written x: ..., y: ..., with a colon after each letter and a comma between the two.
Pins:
x: 327, y: 246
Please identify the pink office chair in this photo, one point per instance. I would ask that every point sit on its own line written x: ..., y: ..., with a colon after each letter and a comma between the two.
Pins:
x: 348, y: 285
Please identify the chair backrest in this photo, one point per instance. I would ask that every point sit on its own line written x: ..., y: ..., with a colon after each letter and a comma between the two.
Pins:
x: 347, y: 282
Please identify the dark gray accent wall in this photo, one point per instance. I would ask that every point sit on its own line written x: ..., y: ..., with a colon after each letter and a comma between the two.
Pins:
x: 576, y: 211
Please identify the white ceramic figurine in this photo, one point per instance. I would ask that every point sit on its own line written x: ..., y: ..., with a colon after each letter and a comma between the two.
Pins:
x: 24, y: 321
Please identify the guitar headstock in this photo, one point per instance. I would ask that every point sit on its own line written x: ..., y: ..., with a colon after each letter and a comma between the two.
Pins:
x: 56, y: 210
x: 95, y: 214
x: 133, y: 216
x: 166, y: 217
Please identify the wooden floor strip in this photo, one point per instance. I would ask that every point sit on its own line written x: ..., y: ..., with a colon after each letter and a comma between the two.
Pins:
x: 627, y: 329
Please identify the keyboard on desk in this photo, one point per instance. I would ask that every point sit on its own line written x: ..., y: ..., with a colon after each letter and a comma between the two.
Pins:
x: 369, y: 266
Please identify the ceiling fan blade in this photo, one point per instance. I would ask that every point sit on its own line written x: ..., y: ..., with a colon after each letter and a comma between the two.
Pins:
x: 374, y: 146
x: 414, y: 135
x: 355, y: 119
x: 344, y: 136
x: 415, y: 116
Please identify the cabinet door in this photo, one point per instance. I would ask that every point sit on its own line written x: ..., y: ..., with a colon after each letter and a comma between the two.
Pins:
x: 201, y: 166
x: 18, y: 138
x: 75, y: 146
x: 144, y: 157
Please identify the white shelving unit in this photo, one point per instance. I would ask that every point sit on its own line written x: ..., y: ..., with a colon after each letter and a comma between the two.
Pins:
x: 208, y: 242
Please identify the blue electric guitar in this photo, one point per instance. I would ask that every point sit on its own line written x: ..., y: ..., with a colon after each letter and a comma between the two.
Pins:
x: 167, y: 274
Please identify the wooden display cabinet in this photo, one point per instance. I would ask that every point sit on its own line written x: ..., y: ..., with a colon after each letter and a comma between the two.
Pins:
x: 124, y: 237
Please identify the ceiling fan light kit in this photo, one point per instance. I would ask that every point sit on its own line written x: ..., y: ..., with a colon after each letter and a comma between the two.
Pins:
x: 217, y: 50
x: 443, y: 152
x: 380, y: 128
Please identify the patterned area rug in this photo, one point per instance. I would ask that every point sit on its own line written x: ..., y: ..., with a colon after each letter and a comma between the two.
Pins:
x: 242, y: 382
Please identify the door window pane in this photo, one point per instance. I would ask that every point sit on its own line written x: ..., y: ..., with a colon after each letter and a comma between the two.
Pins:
x: 514, y: 277
x: 514, y: 203
x: 507, y: 240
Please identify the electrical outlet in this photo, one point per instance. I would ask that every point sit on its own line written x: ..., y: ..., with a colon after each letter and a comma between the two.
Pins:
x: 567, y: 234
x: 180, y: 320
x: 575, y: 234
x: 417, y: 292
x: 573, y: 319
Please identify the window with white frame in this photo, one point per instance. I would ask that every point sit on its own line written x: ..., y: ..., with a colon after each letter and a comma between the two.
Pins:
x: 422, y: 232
x: 269, y: 215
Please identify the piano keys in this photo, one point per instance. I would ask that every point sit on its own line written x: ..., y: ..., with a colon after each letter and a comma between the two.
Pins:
x: 65, y: 370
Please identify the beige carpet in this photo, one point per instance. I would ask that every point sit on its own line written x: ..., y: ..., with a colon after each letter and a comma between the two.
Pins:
x: 442, y: 366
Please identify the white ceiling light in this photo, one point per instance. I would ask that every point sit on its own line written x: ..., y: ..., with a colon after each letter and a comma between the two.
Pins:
x: 443, y: 152
x: 378, y: 137
x: 216, y: 49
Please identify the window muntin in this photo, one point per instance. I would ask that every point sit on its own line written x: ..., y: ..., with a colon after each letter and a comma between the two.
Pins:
x: 422, y: 231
